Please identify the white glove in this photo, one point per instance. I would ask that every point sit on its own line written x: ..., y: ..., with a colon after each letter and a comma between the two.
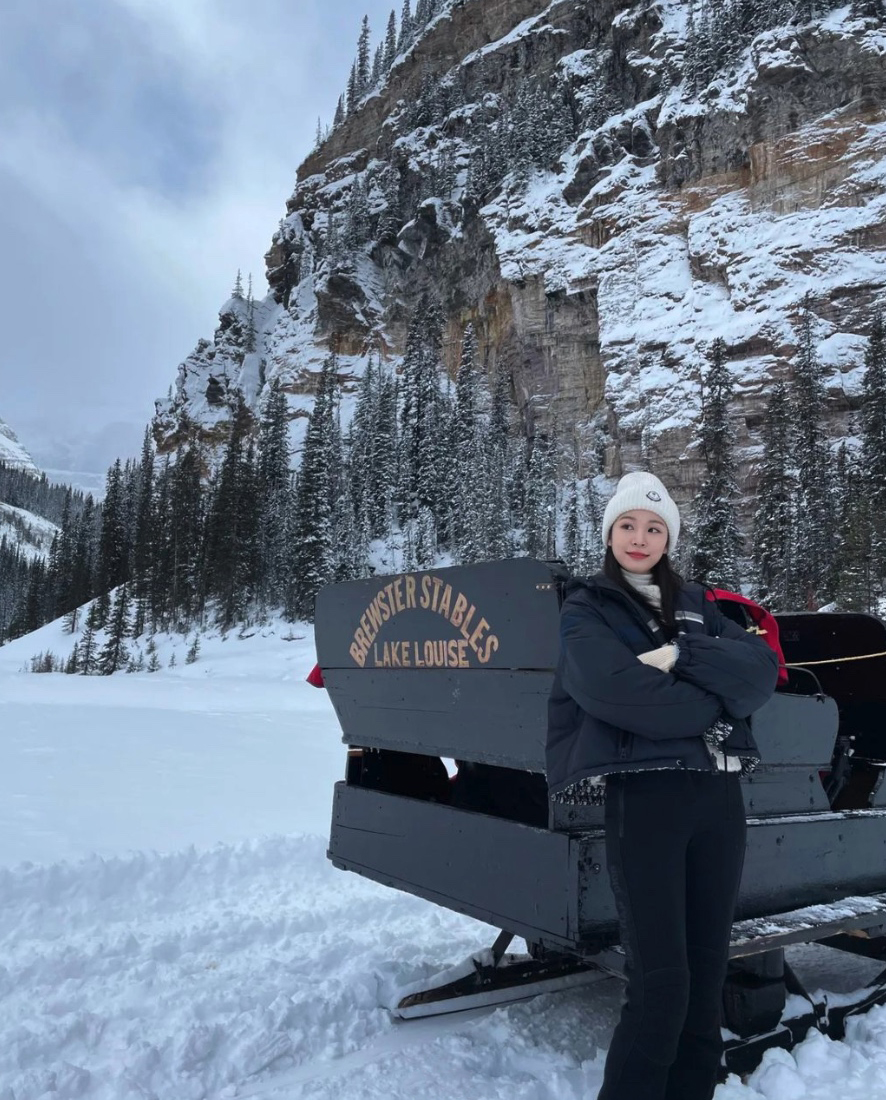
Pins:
x: 664, y: 657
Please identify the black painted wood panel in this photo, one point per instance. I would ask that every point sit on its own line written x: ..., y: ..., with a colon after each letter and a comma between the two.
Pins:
x: 494, y: 717
x: 554, y: 888
x: 510, y: 875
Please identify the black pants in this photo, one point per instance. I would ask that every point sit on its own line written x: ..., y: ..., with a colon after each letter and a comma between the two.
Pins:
x: 675, y: 844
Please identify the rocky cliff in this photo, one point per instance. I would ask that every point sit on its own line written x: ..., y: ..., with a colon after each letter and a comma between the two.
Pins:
x: 649, y: 201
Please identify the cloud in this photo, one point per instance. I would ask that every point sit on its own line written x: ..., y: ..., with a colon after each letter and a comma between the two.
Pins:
x: 147, y: 148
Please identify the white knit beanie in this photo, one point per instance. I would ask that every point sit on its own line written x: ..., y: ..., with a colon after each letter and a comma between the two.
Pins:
x: 642, y: 490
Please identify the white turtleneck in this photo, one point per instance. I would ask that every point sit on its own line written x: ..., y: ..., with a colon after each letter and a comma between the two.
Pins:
x: 642, y: 582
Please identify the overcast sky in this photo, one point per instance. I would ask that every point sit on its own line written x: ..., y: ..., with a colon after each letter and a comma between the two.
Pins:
x: 147, y: 148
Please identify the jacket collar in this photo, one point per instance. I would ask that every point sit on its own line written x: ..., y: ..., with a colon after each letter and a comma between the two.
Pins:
x: 690, y: 601
x: 600, y: 586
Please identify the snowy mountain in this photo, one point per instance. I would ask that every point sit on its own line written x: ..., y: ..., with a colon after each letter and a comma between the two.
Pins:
x: 32, y: 533
x: 602, y: 191
x: 81, y: 459
x: 171, y: 927
x: 13, y: 454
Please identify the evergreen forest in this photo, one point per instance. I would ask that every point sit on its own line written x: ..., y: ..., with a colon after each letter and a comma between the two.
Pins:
x: 429, y: 471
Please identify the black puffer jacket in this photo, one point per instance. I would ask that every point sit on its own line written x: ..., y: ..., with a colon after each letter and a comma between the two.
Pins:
x: 609, y: 712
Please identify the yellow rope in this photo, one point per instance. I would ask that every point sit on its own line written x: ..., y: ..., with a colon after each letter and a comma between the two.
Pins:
x: 837, y: 660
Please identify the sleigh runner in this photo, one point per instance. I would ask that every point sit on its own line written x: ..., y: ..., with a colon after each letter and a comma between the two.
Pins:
x: 475, y: 649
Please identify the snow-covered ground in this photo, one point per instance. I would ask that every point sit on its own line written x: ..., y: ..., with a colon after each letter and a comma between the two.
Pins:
x: 170, y: 928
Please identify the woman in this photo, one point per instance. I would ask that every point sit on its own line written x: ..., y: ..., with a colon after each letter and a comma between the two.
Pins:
x: 652, y: 696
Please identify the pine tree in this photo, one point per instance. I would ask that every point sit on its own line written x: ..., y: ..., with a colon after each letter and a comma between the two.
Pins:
x: 497, y: 448
x: 381, y: 499
x: 339, y: 113
x: 372, y: 457
x: 189, y: 554
x: 389, y: 219
x: 425, y: 538
x: 349, y: 549
x: 774, y: 514
x: 352, y: 96
x: 716, y: 538
x: 407, y: 30
x: 466, y: 533
x: 872, y: 488
x: 869, y: 9
x: 813, y: 558
x: 422, y: 441
x: 390, y: 42
x: 194, y: 650
x: 161, y: 579
x: 363, y: 66
x: 248, y: 528
x: 80, y: 587
x: 540, y: 508
x: 249, y: 335
x: 61, y: 563
x: 113, y: 547
x: 357, y: 228
x: 377, y: 65
x: 237, y: 292
x: 313, y: 561
x: 344, y: 531
x: 72, y: 665
x: 273, y: 488
x: 33, y: 612
x: 145, y: 530
x: 230, y: 525
x: 114, y: 654
x: 805, y: 10
x: 88, y: 654
x: 853, y: 575
x: 590, y: 548
x: 572, y: 532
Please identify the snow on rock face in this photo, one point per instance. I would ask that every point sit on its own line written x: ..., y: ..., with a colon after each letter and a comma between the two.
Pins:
x: 673, y: 217
x: 13, y: 454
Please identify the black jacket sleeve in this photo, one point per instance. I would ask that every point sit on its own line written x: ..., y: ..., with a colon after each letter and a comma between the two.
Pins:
x: 607, y: 681
x: 739, y: 668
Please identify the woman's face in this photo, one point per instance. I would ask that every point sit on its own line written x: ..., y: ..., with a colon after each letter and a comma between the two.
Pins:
x: 638, y: 539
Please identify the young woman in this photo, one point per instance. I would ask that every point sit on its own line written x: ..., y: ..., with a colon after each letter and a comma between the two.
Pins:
x: 650, y: 705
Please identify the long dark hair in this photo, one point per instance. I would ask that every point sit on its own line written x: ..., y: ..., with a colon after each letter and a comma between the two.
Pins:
x: 664, y: 575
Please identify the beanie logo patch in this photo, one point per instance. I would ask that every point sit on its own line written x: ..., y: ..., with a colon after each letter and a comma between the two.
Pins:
x: 653, y: 495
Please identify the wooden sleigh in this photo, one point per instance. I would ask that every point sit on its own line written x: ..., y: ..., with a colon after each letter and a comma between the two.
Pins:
x: 457, y: 664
